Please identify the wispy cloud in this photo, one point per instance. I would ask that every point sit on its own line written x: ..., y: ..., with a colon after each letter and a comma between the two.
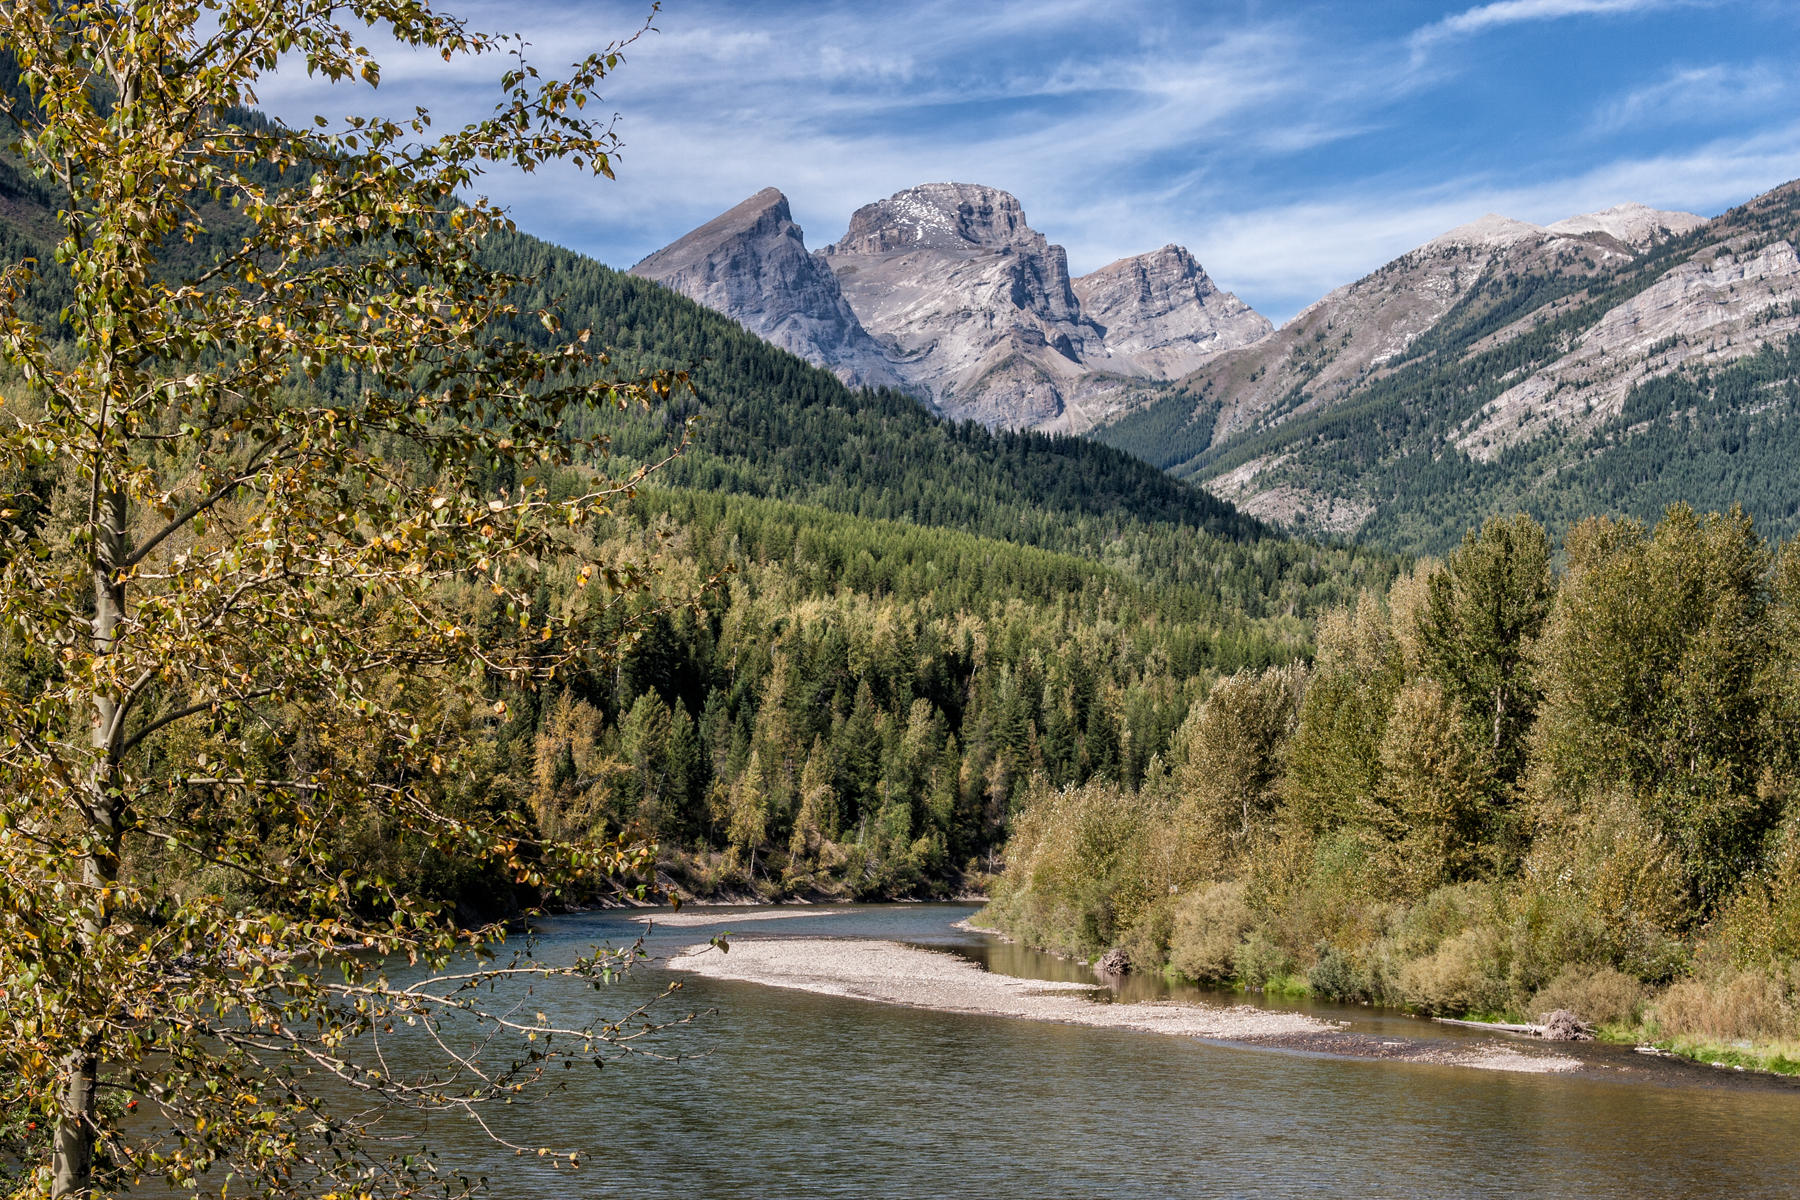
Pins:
x: 1292, y: 148
x: 1289, y: 255
x: 1690, y: 94
x: 1512, y: 12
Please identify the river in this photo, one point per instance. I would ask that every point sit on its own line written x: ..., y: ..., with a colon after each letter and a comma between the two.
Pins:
x: 788, y: 1094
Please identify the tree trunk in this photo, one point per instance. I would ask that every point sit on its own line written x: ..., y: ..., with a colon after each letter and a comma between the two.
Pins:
x: 72, y: 1163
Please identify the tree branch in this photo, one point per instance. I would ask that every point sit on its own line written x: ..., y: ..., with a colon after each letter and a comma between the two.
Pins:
x: 188, y: 710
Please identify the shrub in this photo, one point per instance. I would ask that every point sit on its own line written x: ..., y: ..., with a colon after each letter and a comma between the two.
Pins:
x: 1074, y: 881
x: 1761, y: 924
x: 1336, y: 895
x: 1147, y: 942
x: 1440, y: 915
x: 1257, y: 961
x: 1465, y: 974
x: 1605, y: 888
x: 1337, y: 975
x: 1208, y: 926
x: 1735, y: 1006
x: 1597, y: 993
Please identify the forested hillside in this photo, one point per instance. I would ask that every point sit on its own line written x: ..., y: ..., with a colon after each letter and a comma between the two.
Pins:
x: 900, y: 620
x: 1549, y: 387
x: 920, y: 616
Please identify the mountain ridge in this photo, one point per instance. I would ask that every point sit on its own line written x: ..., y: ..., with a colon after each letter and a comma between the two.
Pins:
x: 976, y: 312
x: 1508, y: 366
x: 751, y: 261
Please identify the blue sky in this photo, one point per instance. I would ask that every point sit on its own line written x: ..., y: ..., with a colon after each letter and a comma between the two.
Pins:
x: 1292, y: 147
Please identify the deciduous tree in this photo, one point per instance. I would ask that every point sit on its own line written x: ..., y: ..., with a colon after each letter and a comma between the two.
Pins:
x: 1483, y: 610
x: 286, y: 464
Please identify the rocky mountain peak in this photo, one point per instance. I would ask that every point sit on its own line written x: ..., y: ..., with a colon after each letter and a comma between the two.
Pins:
x: 1161, y: 314
x: 938, y: 216
x: 1637, y: 225
x: 751, y: 263
x: 1489, y: 231
x: 944, y: 289
x: 764, y: 215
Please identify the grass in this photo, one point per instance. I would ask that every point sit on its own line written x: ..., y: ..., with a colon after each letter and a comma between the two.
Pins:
x: 1774, y: 1058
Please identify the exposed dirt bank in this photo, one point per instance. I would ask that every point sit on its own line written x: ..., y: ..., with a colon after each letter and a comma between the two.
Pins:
x: 890, y: 973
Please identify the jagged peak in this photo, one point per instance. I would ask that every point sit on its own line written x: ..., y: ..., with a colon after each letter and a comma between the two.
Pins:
x: 938, y: 216
x: 1171, y: 254
x: 767, y: 209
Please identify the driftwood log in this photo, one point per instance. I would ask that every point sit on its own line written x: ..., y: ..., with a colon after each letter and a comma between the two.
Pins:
x: 1559, y: 1026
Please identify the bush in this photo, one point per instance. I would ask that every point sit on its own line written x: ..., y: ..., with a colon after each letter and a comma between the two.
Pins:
x: 1736, y: 1006
x: 1208, y: 926
x: 1439, y: 916
x: 1075, y: 880
x: 1335, y: 895
x: 1606, y: 889
x: 1257, y: 961
x: 1146, y: 943
x: 1338, y: 976
x: 1465, y: 974
x: 1761, y: 924
x: 1598, y: 994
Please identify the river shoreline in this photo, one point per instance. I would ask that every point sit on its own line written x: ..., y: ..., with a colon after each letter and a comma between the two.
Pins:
x: 887, y: 972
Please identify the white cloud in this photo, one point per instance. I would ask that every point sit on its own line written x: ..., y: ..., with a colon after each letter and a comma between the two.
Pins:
x: 1283, y: 257
x: 1699, y: 93
x: 1511, y: 12
x: 1119, y: 126
x: 839, y: 106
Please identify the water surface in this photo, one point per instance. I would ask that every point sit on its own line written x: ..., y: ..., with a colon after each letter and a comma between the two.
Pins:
x: 789, y: 1094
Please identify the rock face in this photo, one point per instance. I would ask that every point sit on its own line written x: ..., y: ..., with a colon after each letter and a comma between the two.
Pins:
x: 1701, y: 313
x: 944, y: 289
x: 1336, y: 344
x: 1161, y: 317
x: 751, y: 264
x: 972, y: 304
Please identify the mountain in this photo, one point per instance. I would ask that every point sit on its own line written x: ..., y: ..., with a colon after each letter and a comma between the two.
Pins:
x: 751, y: 263
x: 1334, y: 345
x: 974, y: 304
x: 1637, y: 225
x: 974, y: 311
x: 1611, y: 362
x: 1161, y: 316
x: 919, y: 615
x: 914, y: 617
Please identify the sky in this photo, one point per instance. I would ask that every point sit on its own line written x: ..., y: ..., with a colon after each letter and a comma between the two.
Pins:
x: 1292, y: 147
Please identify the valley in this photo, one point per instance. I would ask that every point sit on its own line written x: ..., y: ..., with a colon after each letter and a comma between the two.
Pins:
x: 1217, y: 744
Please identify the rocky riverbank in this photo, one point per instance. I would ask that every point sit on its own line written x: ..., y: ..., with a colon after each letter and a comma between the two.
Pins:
x: 890, y: 973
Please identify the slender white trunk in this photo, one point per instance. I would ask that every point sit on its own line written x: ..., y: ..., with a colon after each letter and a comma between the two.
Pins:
x: 72, y: 1161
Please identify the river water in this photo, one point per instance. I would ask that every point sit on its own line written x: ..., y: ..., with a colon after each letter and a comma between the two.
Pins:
x: 788, y: 1094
